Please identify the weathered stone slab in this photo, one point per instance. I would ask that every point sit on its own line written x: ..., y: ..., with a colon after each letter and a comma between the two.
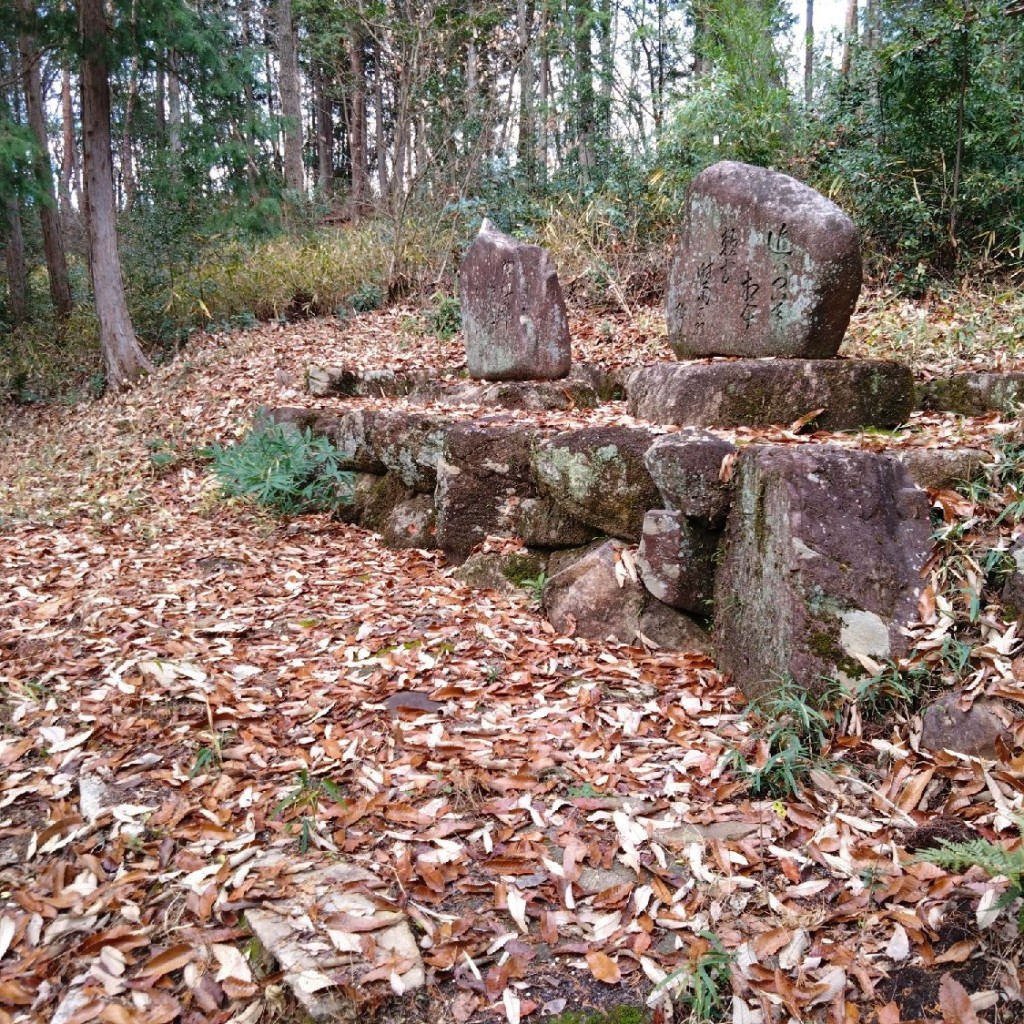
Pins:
x: 324, y: 381
x: 973, y: 394
x: 821, y: 563
x: 528, y: 395
x: 598, y: 476
x: 851, y: 393
x: 676, y: 561
x: 687, y: 468
x: 482, y: 477
x: 764, y: 266
x: 513, y: 314
x: 318, y: 936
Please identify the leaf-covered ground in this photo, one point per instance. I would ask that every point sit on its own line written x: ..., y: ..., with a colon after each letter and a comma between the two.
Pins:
x: 191, y: 690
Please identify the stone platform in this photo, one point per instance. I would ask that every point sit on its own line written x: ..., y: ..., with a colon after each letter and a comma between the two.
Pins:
x: 851, y: 393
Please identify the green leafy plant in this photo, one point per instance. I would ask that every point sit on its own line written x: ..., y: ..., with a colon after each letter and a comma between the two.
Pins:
x: 535, y: 585
x: 445, y: 319
x: 890, y: 690
x: 367, y: 298
x: 304, y: 802
x: 702, y: 986
x: 995, y: 859
x: 791, y: 728
x: 285, y: 469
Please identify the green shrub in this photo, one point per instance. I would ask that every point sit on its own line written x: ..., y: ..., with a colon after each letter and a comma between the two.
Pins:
x: 286, y: 469
x: 445, y: 318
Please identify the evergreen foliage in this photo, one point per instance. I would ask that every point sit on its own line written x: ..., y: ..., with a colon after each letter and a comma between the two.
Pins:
x: 286, y: 470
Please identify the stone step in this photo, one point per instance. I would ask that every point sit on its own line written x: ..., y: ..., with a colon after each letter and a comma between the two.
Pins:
x: 585, y: 387
x: 851, y: 393
x: 973, y: 393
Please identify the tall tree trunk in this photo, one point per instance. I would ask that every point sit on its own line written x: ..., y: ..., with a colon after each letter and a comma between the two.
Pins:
x: 527, y: 108
x: 357, y: 128
x: 380, y: 144
x: 849, y: 38
x: 69, y: 155
x: 324, y: 133
x: 585, y: 113
x: 14, y: 257
x: 606, y: 71
x: 288, y: 85
x: 122, y: 356
x: 127, y: 169
x: 53, y: 240
x: 809, y: 54
x: 173, y: 105
x: 543, y: 93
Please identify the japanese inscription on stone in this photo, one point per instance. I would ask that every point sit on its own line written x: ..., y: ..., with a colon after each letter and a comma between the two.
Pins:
x: 765, y: 266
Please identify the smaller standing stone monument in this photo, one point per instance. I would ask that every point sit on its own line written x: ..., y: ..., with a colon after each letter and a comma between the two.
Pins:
x: 513, y: 313
x: 765, y: 266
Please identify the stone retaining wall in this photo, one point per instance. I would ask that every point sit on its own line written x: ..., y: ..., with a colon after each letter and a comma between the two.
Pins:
x: 642, y: 538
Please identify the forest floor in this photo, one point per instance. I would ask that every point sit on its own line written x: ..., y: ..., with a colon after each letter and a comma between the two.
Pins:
x: 189, y: 687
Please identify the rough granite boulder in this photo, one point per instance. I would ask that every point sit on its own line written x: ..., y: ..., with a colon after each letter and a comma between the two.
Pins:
x: 513, y: 314
x: 764, y: 266
x: 596, y: 596
x: 482, y: 477
x: 353, y: 433
x: 821, y: 563
x: 409, y: 445
x: 687, y: 470
x: 598, y: 476
x: 676, y: 561
x: 851, y: 393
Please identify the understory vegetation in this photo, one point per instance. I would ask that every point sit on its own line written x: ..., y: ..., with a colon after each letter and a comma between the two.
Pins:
x: 915, y: 132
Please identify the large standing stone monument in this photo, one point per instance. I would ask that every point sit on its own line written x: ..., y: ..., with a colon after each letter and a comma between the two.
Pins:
x: 513, y: 313
x: 765, y: 266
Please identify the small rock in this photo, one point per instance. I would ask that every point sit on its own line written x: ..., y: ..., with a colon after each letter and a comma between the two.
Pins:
x: 411, y: 524
x: 1013, y: 588
x: 974, y: 732
x: 586, y: 598
x: 672, y: 630
x: 938, y: 469
x: 500, y: 571
x: 676, y: 561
